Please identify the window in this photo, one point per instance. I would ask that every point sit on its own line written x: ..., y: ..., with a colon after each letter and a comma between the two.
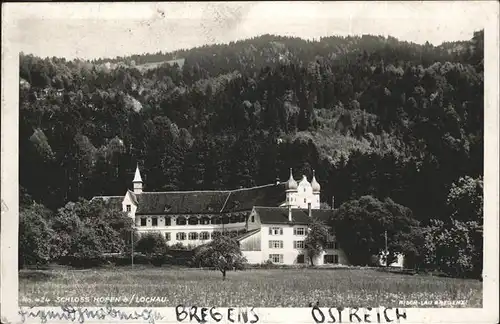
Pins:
x: 129, y: 208
x: 298, y: 244
x: 331, y: 245
x: 276, y: 258
x: 193, y: 236
x: 155, y: 221
x: 193, y: 221
x: 304, y: 200
x: 180, y: 221
x: 167, y: 221
x: 275, y: 231
x: 167, y: 236
x: 331, y: 259
x: 204, y: 236
x: 300, y: 258
x: 299, y: 231
x: 180, y: 236
x: 304, y: 191
x: 275, y: 244
x: 215, y: 234
x: 143, y: 221
x: 253, y: 219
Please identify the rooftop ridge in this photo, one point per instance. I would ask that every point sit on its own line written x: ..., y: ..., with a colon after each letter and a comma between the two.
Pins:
x: 221, y: 191
x: 107, y: 196
x: 184, y: 191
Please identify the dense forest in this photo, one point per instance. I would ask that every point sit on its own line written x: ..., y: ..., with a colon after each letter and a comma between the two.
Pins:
x: 372, y: 115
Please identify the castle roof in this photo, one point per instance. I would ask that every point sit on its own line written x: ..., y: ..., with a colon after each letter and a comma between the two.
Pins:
x: 279, y: 215
x: 208, y: 202
x: 114, y: 202
x: 314, y: 184
x: 291, y: 184
x: 137, y: 176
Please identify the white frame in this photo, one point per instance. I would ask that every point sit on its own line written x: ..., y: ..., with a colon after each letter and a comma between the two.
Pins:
x: 406, y: 13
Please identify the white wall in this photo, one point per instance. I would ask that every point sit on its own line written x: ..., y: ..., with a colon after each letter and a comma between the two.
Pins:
x: 398, y: 263
x: 127, y: 200
x: 174, y: 229
x: 288, y: 251
x: 253, y: 257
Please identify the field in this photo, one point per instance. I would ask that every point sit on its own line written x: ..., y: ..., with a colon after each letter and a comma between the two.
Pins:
x: 258, y: 288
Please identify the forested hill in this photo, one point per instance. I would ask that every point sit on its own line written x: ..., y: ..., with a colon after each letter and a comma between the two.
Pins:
x: 371, y: 115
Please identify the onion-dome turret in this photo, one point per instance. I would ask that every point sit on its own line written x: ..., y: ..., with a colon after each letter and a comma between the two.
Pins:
x: 291, y: 184
x: 315, y: 185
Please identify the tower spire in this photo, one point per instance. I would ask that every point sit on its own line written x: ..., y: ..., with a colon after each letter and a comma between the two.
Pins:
x: 137, y: 180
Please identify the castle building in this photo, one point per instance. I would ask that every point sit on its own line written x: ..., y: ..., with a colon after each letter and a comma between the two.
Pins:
x: 270, y: 222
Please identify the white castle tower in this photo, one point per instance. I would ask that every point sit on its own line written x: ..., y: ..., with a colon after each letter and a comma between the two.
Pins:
x: 300, y: 195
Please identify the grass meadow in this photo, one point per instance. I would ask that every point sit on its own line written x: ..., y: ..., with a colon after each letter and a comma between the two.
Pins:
x: 256, y: 287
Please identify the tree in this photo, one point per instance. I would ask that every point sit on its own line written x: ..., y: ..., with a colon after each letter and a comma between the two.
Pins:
x: 465, y: 199
x: 35, y: 236
x: 86, y: 247
x: 361, y: 225
x: 316, y: 239
x: 151, y: 244
x: 222, y: 253
x: 451, y: 248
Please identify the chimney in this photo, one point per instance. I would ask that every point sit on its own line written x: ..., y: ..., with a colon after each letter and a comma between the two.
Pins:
x: 309, y: 209
x: 289, y: 213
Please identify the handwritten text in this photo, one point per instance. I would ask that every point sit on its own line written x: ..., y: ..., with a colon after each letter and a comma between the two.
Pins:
x: 357, y: 315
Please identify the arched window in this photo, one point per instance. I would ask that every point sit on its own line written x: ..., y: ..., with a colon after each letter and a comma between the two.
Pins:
x: 180, y: 221
x: 225, y: 220
x: 193, y: 236
x: 181, y: 236
x: 243, y: 218
x: 205, y: 220
x: 193, y: 221
x: 233, y: 219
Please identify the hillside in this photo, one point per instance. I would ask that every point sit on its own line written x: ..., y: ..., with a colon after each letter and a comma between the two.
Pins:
x: 372, y: 115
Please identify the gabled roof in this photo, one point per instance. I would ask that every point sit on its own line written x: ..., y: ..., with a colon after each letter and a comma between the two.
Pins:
x: 114, y: 202
x: 279, y: 215
x: 247, y: 234
x: 181, y: 202
x: 246, y: 199
x: 133, y: 197
x: 209, y: 202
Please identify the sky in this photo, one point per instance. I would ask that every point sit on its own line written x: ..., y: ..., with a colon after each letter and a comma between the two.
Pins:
x: 96, y: 30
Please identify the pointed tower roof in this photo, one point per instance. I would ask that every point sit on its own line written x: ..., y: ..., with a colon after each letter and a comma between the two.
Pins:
x: 314, y: 184
x: 137, y: 176
x: 291, y: 184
